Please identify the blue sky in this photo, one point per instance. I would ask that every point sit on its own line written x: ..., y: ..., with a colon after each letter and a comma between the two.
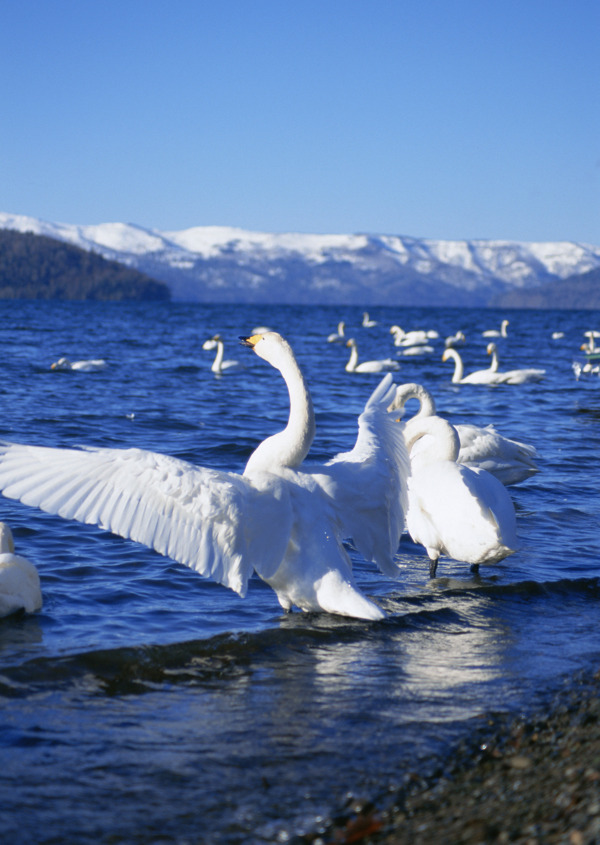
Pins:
x: 432, y: 118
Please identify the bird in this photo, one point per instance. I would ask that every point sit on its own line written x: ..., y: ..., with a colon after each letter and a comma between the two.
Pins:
x: 417, y: 337
x: 488, y: 376
x: 83, y: 366
x: 282, y: 518
x: 381, y: 366
x: 513, y: 376
x: 497, y: 333
x: 457, y: 339
x: 19, y: 580
x: 510, y: 461
x: 454, y: 510
x: 367, y: 322
x: 336, y: 337
x: 219, y: 365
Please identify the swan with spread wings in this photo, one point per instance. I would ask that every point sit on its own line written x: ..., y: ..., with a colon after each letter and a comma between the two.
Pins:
x: 282, y: 518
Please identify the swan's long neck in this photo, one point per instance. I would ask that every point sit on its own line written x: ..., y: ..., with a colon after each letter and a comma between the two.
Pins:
x: 216, y: 365
x: 404, y: 392
x: 288, y: 448
x: 353, y: 360
x: 494, y: 353
x: 442, y: 442
x: 341, y: 328
x: 6, y: 539
x: 458, y: 365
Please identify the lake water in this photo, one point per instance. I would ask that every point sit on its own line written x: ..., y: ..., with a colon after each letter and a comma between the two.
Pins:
x: 146, y: 704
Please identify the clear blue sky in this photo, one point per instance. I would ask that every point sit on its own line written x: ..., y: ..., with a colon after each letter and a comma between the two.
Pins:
x: 433, y: 118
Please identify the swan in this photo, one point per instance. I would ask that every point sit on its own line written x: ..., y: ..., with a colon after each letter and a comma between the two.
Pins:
x: 557, y: 335
x: 455, y: 510
x: 419, y: 349
x: 381, y: 366
x: 338, y: 336
x: 489, y: 376
x: 82, y: 366
x: 19, y: 579
x: 416, y: 337
x: 510, y: 461
x: 367, y: 322
x: 457, y: 339
x: 281, y: 518
x: 218, y: 365
x: 514, y: 376
x: 495, y: 332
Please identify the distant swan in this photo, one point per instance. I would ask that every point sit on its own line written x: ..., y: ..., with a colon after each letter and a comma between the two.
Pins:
x: 510, y: 461
x: 218, y: 365
x: 514, y: 376
x: 495, y: 332
x: 381, y: 366
x: 82, y: 366
x: 282, y: 518
x: 337, y: 337
x: 455, y: 510
x: 19, y: 580
x: 458, y: 339
x: 489, y: 376
x: 367, y: 322
x: 417, y: 337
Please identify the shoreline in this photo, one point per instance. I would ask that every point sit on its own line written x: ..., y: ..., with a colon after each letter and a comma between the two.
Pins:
x: 530, y: 780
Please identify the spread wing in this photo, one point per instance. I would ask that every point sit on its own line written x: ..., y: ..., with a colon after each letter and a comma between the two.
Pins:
x: 369, y: 484
x: 217, y: 523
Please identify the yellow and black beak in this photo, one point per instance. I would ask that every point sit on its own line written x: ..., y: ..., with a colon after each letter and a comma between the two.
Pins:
x: 250, y: 341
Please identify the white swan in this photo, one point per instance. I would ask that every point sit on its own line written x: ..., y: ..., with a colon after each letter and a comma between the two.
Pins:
x: 83, y: 366
x: 495, y: 333
x: 417, y: 337
x: 336, y: 337
x: 283, y: 519
x: 218, y: 365
x: 381, y: 366
x: 19, y: 579
x: 367, y: 322
x: 510, y: 461
x: 513, y: 376
x: 457, y: 339
x: 489, y: 376
x: 455, y: 510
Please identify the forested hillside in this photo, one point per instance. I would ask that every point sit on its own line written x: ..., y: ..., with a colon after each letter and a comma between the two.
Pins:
x: 578, y: 292
x: 37, y: 267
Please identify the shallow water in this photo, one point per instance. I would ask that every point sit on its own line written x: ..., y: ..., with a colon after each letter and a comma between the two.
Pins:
x: 145, y: 703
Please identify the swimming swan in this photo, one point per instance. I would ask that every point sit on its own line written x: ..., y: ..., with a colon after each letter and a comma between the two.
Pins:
x: 455, y: 510
x: 510, y: 461
x: 382, y: 366
x: 417, y: 337
x: 367, y: 322
x: 281, y: 518
x: 495, y: 333
x: 218, y: 365
x: 83, y: 366
x: 337, y: 337
x: 489, y: 376
x: 514, y: 376
x: 19, y: 579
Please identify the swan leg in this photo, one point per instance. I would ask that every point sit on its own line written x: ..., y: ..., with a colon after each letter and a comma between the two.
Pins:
x: 433, y: 567
x: 475, y: 568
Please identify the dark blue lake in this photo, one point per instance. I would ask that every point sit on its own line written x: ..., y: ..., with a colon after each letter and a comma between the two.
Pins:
x: 146, y: 704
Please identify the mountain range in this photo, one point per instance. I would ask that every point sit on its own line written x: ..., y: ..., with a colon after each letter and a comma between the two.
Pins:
x: 223, y: 264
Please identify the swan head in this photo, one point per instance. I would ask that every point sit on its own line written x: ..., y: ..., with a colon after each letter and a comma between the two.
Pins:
x: 270, y: 346
x: 351, y: 342
x: 62, y: 363
x: 491, y: 348
x: 211, y: 343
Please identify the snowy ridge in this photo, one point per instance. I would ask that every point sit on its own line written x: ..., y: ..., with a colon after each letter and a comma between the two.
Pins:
x: 212, y: 263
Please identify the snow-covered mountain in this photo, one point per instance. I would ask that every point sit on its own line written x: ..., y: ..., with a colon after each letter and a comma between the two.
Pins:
x: 221, y: 264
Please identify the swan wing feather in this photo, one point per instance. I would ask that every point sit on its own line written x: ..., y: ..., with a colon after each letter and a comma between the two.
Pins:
x: 188, y: 513
x: 368, y: 485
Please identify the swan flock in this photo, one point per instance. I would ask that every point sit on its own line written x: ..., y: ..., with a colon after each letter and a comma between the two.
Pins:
x: 283, y: 517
